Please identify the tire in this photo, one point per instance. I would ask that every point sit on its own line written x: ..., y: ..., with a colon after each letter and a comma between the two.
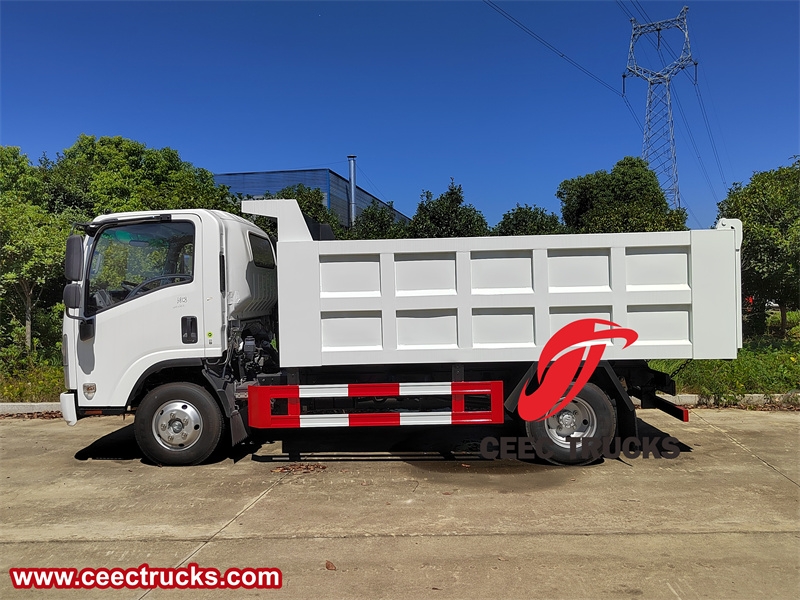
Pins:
x: 178, y: 424
x: 592, y: 414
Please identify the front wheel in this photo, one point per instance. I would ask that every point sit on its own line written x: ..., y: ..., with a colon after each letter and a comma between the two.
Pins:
x: 178, y: 424
x: 591, y: 414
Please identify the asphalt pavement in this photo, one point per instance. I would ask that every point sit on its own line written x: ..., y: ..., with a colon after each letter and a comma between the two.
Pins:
x: 414, y: 512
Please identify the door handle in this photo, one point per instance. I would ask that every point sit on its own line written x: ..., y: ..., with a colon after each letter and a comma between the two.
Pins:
x: 189, y: 330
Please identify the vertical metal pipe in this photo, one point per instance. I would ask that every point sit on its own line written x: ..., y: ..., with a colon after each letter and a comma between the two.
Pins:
x: 352, y: 203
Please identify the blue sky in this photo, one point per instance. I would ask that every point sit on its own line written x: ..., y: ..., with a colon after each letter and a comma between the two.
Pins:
x: 420, y: 91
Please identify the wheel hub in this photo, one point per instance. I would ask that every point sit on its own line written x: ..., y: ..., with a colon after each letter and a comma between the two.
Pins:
x: 577, y: 419
x: 566, y: 419
x: 177, y: 425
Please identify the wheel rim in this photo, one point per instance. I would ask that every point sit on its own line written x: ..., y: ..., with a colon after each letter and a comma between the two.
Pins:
x: 577, y: 420
x: 177, y: 425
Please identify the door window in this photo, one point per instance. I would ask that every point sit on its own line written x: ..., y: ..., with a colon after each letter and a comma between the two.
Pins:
x: 131, y: 260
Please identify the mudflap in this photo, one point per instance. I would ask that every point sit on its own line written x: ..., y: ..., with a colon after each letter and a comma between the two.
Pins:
x: 226, y: 393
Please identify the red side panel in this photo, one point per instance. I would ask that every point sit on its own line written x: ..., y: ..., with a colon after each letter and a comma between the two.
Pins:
x: 259, y: 406
x: 356, y: 390
x: 261, y: 398
x: 374, y: 419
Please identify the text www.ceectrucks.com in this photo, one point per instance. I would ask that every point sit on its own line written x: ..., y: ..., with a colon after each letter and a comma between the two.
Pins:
x: 190, y: 577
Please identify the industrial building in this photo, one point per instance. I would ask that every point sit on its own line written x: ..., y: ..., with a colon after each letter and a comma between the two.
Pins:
x: 335, y: 188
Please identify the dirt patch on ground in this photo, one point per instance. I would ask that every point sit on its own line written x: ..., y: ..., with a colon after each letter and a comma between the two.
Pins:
x: 50, y: 414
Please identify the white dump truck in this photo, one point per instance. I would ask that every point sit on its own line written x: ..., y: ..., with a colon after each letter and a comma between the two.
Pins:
x: 207, y: 328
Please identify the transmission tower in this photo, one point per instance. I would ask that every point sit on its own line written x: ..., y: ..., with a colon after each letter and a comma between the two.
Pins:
x: 658, y: 148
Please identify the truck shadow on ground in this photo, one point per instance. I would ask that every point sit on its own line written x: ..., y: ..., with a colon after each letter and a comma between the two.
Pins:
x: 434, y: 448
x: 117, y: 445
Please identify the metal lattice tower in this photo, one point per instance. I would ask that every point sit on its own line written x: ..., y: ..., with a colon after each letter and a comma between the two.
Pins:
x: 658, y: 148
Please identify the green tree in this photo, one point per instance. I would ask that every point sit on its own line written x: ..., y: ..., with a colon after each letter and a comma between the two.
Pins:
x: 29, y: 257
x: 39, y: 203
x: 17, y: 175
x: 115, y: 174
x: 528, y: 220
x: 312, y: 204
x: 377, y: 222
x: 628, y: 198
x: 447, y: 216
x: 32, y: 245
x: 769, y: 208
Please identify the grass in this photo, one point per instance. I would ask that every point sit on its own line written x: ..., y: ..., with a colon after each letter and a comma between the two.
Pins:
x: 765, y: 365
x: 39, y: 383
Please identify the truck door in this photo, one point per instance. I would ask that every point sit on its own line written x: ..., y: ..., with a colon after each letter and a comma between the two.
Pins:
x: 144, y: 296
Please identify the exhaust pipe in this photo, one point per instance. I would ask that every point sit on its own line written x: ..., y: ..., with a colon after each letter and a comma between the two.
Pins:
x: 352, y: 202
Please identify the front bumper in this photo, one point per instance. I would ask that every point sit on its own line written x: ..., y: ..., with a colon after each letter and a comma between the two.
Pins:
x: 68, y: 408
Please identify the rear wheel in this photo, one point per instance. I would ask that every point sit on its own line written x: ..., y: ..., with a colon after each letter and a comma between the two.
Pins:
x: 178, y: 424
x: 591, y: 414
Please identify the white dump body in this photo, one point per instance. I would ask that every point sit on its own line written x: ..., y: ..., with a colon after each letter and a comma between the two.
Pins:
x: 498, y: 299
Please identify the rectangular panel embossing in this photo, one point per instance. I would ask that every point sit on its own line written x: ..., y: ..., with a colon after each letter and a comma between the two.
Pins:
x: 425, y: 274
x: 502, y: 272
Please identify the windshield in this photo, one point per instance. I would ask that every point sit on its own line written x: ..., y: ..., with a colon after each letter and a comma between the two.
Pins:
x: 131, y: 260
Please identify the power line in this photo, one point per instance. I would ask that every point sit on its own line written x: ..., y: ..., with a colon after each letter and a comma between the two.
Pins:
x: 715, y: 114
x: 550, y: 47
x: 375, y: 187
x: 694, y: 146
x: 710, y: 135
x: 640, y: 9
x: 559, y: 53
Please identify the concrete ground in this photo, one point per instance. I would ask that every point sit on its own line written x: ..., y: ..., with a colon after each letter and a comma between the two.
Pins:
x: 415, y: 513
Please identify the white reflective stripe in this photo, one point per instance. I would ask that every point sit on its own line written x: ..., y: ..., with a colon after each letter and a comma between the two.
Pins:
x: 429, y: 418
x: 324, y: 420
x: 338, y: 390
x: 436, y: 388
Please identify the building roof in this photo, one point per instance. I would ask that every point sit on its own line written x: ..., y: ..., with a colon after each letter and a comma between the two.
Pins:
x: 334, y: 188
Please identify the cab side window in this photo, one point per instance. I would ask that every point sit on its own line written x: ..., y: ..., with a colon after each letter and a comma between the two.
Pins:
x: 131, y: 260
x: 262, y: 252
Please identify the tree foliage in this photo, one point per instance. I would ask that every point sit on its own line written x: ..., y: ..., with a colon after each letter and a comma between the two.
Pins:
x: 312, y: 204
x: 31, y: 256
x: 38, y: 204
x: 529, y: 220
x: 447, y: 216
x: 769, y: 208
x: 114, y: 174
x: 378, y: 222
x: 628, y: 198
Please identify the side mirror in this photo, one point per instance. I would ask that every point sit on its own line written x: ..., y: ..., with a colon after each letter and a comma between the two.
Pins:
x: 73, y: 263
x: 72, y: 295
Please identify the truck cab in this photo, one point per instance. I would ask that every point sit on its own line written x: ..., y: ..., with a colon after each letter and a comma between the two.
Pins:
x: 151, y: 301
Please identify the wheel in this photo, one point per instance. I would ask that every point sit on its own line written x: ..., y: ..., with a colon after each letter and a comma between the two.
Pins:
x: 590, y: 414
x: 178, y: 424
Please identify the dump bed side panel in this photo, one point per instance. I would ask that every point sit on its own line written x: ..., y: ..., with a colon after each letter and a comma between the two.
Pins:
x: 475, y: 300
x: 500, y: 299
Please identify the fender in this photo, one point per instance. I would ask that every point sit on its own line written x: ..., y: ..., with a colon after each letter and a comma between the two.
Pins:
x: 223, y: 389
x: 178, y: 363
x: 605, y: 378
x: 160, y: 366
